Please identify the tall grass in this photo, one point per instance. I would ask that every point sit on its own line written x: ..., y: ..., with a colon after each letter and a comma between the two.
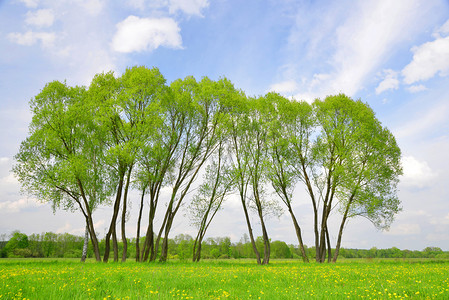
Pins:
x: 234, y: 279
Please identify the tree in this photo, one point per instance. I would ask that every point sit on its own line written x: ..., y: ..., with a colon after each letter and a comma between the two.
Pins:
x: 356, y: 166
x: 211, y: 194
x: 248, y: 145
x: 289, y: 145
x: 239, y: 158
x: 199, y: 107
x: 280, y: 250
x: 16, y: 243
x: 59, y: 162
x: 139, y: 97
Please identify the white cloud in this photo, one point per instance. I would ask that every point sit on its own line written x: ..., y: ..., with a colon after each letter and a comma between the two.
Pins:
x: 416, y: 173
x: 136, y: 34
x: 288, y: 86
x: 428, y: 59
x: 416, y: 88
x: 4, y: 160
x: 40, y: 18
x: 30, y: 3
x: 189, y: 7
x: 17, y: 206
x: 390, y: 82
x: 47, y: 39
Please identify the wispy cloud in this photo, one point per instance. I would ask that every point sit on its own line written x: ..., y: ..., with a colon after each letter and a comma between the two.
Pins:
x: 357, y: 42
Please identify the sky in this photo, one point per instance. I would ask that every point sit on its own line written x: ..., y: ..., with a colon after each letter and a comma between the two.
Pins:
x: 393, y: 55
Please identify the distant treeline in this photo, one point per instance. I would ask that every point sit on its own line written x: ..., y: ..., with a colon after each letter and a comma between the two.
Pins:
x: 65, y: 245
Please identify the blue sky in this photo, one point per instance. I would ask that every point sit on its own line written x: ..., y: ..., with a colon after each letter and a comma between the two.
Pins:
x: 394, y: 55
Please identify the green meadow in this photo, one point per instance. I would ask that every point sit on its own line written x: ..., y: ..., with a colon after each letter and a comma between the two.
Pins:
x: 233, y: 279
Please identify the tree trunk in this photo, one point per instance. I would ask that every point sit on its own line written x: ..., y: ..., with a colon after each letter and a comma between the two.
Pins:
x: 164, y: 249
x: 139, y: 219
x: 342, y: 225
x: 329, y: 249
x: 93, y: 237
x: 148, y: 247
x: 315, y: 211
x: 115, y: 244
x: 340, y: 233
x: 197, y: 247
x: 298, y: 235
x: 159, y: 236
x: 86, y: 243
x: 250, y: 231
x: 123, y: 228
x: 111, y: 230
x: 89, y: 222
x: 266, y: 243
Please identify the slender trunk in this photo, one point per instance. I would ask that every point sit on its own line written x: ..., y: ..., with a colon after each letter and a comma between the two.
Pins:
x: 201, y: 232
x: 164, y: 249
x: 123, y: 227
x: 329, y: 249
x: 266, y: 243
x: 197, y: 251
x: 198, y: 255
x: 250, y: 231
x: 115, y: 244
x: 194, y: 249
x: 111, y: 231
x: 298, y: 235
x: 94, y: 240
x: 89, y: 221
x: 86, y: 243
x: 340, y: 232
x: 266, y: 240
x: 159, y: 236
x: 323, y: 239
x: 315, y: 210
x: 148, y: 247
x: 139, y: 219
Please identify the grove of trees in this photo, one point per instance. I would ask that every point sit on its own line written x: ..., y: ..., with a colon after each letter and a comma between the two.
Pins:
x: 64, y: 245
x: 205, y: 141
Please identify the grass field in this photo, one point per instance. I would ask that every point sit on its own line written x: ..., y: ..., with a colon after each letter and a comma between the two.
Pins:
x: 233, y: 279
